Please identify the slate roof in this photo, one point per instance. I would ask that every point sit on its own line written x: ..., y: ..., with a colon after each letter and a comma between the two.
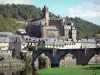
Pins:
x: 88, y: 40
x: 6, y: 37
x: 85, y: 41
x: 26, y: 37
x: 54, y: 18
x: 35, y: 19
x: 5, y: 34
x: 38, y: 22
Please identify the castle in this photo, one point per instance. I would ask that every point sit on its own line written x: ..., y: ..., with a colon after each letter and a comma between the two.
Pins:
x: 50, y: 27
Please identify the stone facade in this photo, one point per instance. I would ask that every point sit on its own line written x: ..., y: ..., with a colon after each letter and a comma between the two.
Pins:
x: 49, y: 27
x: 10, y: 45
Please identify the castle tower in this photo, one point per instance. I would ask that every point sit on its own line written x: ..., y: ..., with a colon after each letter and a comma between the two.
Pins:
x: 46, y: 15
x: 67, y: 30
x: 43, y: 29
x: 73, y: 32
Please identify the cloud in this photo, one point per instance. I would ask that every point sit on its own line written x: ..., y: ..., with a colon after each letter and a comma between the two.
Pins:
x: 87, y: 15
x: 16, y: 1
x: 78, y: 9
x: 91, y: 14
x: 96, y: 2
x: 86, y: 10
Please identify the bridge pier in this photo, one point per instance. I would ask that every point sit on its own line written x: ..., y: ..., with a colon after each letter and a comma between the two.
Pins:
x: 81, y: 62
x: 55, y: 63
x: 80, y: 57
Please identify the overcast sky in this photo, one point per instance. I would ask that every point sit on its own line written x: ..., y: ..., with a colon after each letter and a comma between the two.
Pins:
x: 86, y: 9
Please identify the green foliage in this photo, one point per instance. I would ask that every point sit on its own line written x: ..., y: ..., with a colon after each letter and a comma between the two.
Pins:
x: 98, y: 31
x: 21, y: 11
x: 8, y: 24
x: 42, y: 62
x: 28, y: 68
x: 84, y: 28
x: 44, y: 48
x: 72, y: 70
x: 9, y: 13
x: 30, y: 48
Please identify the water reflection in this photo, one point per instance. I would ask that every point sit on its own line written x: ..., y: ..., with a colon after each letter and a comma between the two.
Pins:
x: 11, y: 73
x: 14, y: 73
x: 20, y: 72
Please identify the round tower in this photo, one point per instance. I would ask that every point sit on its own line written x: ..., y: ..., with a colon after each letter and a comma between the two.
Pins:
x: 46, y: 15
x: 43, y: 29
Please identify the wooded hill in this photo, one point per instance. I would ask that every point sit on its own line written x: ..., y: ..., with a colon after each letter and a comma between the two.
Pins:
x: 85, y: 28
x: 10, y: 14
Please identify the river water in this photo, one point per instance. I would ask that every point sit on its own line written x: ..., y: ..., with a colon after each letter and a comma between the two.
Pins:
x: 19, y: 72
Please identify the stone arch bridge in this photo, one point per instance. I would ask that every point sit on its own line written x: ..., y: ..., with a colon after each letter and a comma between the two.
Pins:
x: 82, y: 56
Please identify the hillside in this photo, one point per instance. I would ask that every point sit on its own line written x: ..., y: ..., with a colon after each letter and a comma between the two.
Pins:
x: 21, y: 12
x: 14, y: 16
x: 9, y: 25
x: 85, y: 28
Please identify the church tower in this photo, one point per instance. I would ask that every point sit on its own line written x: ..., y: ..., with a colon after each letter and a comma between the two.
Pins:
x: 46, y: 15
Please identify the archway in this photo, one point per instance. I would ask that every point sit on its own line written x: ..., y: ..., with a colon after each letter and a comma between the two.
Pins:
x: 41, y: 60
x: 95, y: 59
x: 70, y: 34
x: 67, y: 60
x: 92, y: 56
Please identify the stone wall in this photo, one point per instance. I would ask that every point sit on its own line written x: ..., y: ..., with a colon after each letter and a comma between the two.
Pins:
x: 6, y: 53
x: 95, y: 59
x: 11, y: 64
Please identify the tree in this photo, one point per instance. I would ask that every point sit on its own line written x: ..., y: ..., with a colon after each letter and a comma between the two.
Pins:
x: 98, y: 31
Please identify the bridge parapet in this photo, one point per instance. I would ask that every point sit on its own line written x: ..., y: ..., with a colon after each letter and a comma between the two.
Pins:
x: 63, y: 44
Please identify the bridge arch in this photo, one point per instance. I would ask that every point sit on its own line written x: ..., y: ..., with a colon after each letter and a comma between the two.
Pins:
x: 90, y: 53
x: 67, y: 58
x: 36, y: 56
x: 94, y: 59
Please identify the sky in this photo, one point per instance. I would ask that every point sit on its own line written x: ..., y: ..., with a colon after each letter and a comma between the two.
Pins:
x: 86, y: 9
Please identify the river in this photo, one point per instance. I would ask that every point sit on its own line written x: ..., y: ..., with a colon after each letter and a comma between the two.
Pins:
x: 23, y: 71
x: 18, y: 72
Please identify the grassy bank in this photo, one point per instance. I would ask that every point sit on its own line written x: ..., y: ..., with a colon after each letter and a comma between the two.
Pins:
x: 72, y: 70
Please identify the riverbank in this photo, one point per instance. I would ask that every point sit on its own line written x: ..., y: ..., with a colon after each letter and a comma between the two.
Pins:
x: 11, y: 64
x: 72, y: 70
